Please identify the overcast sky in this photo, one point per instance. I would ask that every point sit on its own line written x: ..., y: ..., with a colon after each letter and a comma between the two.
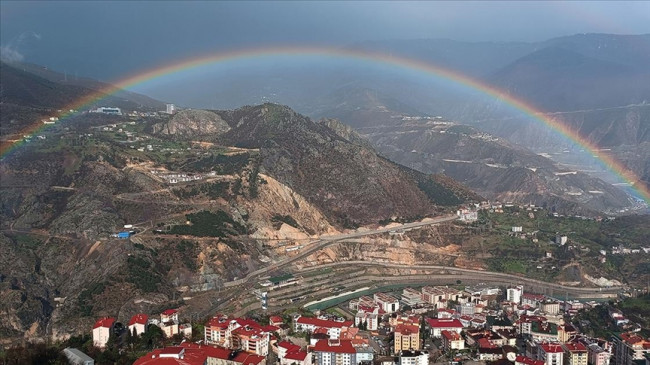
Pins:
x: 108, y: 40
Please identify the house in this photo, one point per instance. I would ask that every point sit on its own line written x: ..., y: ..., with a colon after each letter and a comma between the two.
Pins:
x: 250, y: 338
x: 238, y: 334
x: 544, y: 331
x: 388, y: 303
x: 369, y: 316
x: 285, y: 347
x: 276, y: 321
x: 310, y: 324
x: 436, y: 326
x: 513, y: 294
x: 411, y: 297
x: 550, y: 353
x: 407, y: 337
x: 192, y: 354
x: 138, y: 324
x: 598, y: 355
x: 437, y: 294
x: 550, y: 307
x: 169, y: 328
x: 575, y: 353
x: 296, y: 358
x: 447, y: 313
x: 523, y: 360
x: 169, y: 315
x: 629, y: 348
x: 216, y: 331
x: 185, y: 329
x: 413, y: 358
x: 102, y: 331
x: 334, y: 352
x: 452, y: 341
x: 531, y: 299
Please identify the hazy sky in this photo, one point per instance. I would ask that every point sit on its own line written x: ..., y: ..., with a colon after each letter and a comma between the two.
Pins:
x: 108, y: 40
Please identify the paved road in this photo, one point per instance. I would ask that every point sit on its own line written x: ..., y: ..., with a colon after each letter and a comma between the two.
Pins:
x: 325, y: 241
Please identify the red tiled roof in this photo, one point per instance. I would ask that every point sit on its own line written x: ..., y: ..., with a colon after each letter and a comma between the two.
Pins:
x: 576, y: 347
x: 217, y: 352
x: 339, y: 347
x: 444, y: 323
x: 528, y: 360
x: 172, y: 350
x: 552, y: 348
x: 270, y: 328
x: 484, y: 343
x: 104, y: 322
x: 276, y: 319
x: 219, y: 322
x: 139, y: 319
x: 192, y: 356
x: 169, y: 312
x: 320, y: 330
x: 533, y: 296
x: 248, y: 359
x: 450, y: 335
x: 324, y: 322
x: 633, y: 338
x: 406, y: 329
x: 248, y: 322
x: 296, y: 355
x: 290, y: 347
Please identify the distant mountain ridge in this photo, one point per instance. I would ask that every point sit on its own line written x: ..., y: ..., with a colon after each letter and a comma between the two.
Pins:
x: 31, y: 93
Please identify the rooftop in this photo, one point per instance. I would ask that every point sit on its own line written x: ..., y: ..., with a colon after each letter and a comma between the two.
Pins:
x: 335, y: 346
x: 139, y: 319
x: 326, y: 323
x: 551, y: 347
x: 444, y: 323
x: 106, y: 322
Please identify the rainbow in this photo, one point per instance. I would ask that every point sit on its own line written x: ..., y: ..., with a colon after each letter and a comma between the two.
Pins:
x: 610, y: 163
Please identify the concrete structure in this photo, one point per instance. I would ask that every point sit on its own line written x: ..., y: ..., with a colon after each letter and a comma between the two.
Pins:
x: 411, y: 297
x: 77, y: 357
x: 102, y: 331
x: 370, y: 316
x: 436, y: 294
x: 413, y: 358
x: 629, y: 348
x: 407, y: 337
x: 310, y: 324
x: 138, y: 324
x: 192, y: 354
x: 334, y: 352
x: 550, y: 353
x: 170, y: 109
x: 436, y: 326
x: 575, y: 354
x: 598, y: 355
x: 513, y: 294
x: 169, y: 315
x: 452, y: 341
x: 550, y: 307
x: 523, y: 360
x: 532, y: 300
x: 388, y: 303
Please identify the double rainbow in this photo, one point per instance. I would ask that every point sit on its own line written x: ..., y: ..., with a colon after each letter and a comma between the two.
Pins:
x: 428, y: 69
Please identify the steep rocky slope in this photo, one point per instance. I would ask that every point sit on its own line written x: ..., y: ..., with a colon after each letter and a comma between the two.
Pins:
x: 253, y: 181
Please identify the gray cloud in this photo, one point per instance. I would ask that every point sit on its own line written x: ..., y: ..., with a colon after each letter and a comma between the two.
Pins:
x: 11, y: 51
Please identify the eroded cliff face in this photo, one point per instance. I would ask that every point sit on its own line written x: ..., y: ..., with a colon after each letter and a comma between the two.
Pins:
x: 439, y: 244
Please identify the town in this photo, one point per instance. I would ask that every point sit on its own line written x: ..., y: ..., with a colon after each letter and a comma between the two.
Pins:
x: 476, y: 324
